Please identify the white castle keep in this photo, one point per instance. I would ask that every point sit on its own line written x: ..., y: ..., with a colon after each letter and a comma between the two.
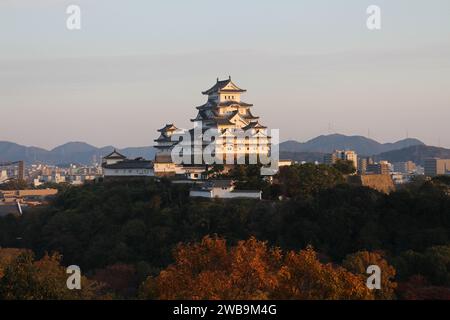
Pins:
x: 225, y: 132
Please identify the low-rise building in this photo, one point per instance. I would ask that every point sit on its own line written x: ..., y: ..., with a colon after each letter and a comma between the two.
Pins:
x: 382, y: 167
x: 3, y: 176
x: 116, y: 165
x: 18, y: 201
x: 26, y: 195
x: 405, y: 167
x: 401, y: 178
x: 363, y: 162
x: 223, y: 189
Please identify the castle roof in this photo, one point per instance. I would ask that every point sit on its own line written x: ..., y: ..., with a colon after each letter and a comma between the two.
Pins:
x: 163, y: 139
x: 224, y: 122
x: 201, y: 116
x: 249, y: 116
x: 223, y: 86
x: 232, y: 103
x: 115, y: 155
x: 211, y: 105
x: 168, y: 127
x: 254, y: 125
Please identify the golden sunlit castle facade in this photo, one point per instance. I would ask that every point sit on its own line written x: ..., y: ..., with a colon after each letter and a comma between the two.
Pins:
x: 225, y: 132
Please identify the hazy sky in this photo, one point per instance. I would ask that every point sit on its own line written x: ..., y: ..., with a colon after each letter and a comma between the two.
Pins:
x: 138, y: 64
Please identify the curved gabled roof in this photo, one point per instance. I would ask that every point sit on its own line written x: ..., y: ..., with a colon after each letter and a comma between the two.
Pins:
x: 232, y: 103
x: 115, y: 155
x: 220, y: 87
x: 254, y: 125
x: 168, y: 127
x: 224, y: 122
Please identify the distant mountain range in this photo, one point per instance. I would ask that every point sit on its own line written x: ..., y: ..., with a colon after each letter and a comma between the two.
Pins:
x: 312, y: 150
x: 417, y: 154
x: 360, y: 144
x: 72, y: 152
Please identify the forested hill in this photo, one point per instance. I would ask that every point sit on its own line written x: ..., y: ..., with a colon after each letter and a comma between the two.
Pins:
x: 417, y: 154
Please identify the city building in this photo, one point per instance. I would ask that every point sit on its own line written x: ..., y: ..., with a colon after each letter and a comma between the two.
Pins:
x: 347, y: 155
x: 223, y: 189
x: 401, y: 178
x: 39, y: 174
x: 405, y: 167
x: 116, y: 165
x: 9, y: 196
x: 12, y: 170
x: 224, y: 127
x: 362, y: 164
x: 3, y: 176
x: 435, y: 167
x: 382, y: 167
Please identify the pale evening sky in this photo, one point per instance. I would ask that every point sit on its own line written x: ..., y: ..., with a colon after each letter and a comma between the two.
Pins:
x: 138, y: 64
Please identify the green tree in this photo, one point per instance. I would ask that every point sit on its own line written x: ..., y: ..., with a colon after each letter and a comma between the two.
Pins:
x: 27, y: 279
x: 345, y: 167
x: 308, y: 179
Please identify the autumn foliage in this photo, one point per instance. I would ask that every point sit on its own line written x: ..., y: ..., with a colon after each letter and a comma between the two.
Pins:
x: 24, y: 278
x: 304, y: 277
x: 251, y: 270
x: 360, y: 261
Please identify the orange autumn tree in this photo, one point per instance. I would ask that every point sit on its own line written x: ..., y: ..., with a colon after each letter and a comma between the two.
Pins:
x: 304, y: 277
x: 250, y: 270
x: 360, y: 261
x: 208, y: 270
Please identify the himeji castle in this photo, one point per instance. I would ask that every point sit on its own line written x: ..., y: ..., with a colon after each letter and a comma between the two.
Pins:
x: 225, y: 132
